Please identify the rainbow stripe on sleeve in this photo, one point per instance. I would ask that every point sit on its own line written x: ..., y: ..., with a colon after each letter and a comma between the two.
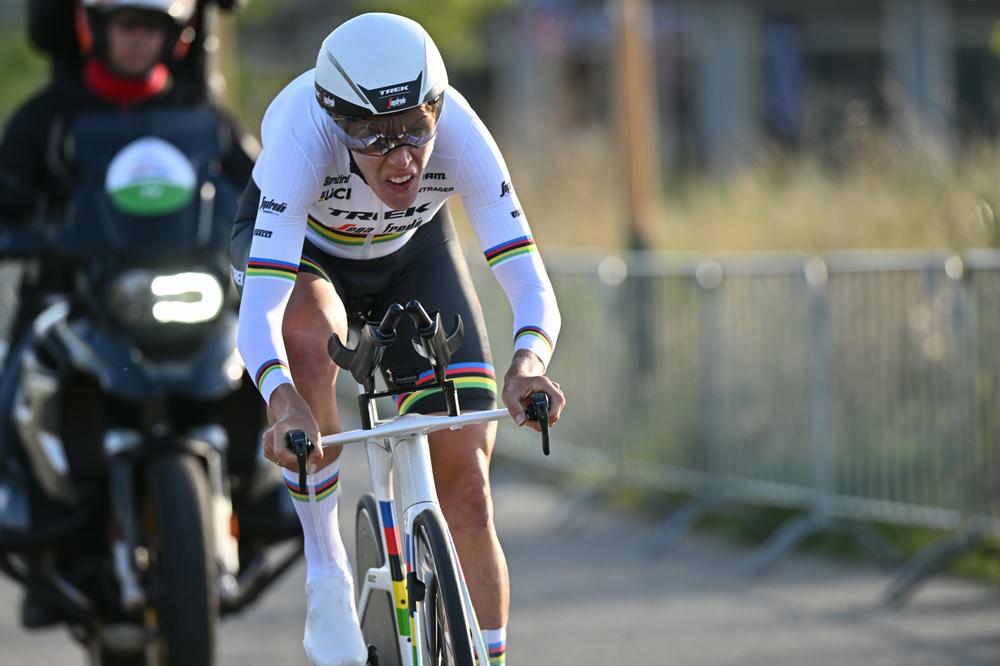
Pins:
x: 259, y: 267
x: 267, y: 368
x: 535, y: 331
x: 466, y: 376
x: 498, y: 254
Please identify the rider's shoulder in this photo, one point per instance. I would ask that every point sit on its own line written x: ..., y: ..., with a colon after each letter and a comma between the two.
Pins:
x: 294, y: 116
x: 458, y: 119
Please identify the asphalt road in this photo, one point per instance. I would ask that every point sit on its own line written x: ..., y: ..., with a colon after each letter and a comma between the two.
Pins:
x: 593, y: 597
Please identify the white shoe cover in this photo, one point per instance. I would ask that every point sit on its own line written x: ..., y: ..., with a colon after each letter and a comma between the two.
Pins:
x: 333, y: 633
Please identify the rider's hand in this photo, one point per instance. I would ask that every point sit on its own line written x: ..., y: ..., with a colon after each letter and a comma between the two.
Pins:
x: 291, y: 413
x: 526, y: 376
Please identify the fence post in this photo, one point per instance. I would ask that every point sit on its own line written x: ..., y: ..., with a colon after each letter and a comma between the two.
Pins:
x: 821, y: 422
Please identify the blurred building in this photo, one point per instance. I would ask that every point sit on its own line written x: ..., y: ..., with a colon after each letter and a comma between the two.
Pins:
x: 735, y: 75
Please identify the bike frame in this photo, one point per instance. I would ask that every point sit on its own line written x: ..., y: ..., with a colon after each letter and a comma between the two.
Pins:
x: 401, y: 443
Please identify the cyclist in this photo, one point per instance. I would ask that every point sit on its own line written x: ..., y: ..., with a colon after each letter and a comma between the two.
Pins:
x: 346, y: 213
x: 127, y: 45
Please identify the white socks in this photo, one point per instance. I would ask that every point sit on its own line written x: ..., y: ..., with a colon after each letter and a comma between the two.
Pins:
x: 496, y: 645
x: 324, y: 547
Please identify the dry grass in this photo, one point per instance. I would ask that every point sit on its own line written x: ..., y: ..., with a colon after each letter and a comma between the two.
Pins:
x: 866, y: 193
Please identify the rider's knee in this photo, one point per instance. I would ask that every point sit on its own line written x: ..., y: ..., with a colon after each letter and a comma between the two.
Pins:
x: 307, y: 349
x: 466, y: 503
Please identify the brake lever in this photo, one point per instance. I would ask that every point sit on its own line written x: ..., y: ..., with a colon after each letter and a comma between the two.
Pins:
x: 538, y: 410
x: 300, y: 445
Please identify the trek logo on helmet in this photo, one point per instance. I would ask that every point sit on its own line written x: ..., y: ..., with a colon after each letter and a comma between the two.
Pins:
x: 393, y: 91
x: 400, y: 96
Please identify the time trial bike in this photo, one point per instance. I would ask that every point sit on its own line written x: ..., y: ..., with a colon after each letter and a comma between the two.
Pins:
x: 413, y: 601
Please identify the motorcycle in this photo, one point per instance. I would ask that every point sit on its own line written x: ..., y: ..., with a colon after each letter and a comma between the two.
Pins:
x: 140, y: 508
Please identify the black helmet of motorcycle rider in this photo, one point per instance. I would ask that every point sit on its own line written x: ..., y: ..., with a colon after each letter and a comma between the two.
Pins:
x: 132, y: 38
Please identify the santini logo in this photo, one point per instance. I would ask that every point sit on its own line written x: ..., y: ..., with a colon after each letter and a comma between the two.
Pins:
x: 272, y: 205
x: 504, y: 189
x: 392, y: 91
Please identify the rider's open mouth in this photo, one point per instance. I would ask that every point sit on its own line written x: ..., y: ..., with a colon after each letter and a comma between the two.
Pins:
x: 400, y: 184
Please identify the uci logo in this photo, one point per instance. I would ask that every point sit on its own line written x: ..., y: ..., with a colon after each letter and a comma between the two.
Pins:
x: 335, y: 193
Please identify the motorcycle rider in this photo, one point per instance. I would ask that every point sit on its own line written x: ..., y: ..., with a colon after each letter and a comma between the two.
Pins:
x: 52, y: 29
x: 126, y: 47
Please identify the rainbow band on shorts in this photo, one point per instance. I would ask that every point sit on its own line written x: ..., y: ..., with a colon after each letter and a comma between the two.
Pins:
x: 307, y: 265
x: 465, y: 375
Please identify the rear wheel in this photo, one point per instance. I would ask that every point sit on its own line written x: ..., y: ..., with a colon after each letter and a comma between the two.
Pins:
x: 446, y: 636
x: 378, y: 624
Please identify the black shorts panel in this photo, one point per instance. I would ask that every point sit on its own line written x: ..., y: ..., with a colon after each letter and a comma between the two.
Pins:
x: 430, y: 268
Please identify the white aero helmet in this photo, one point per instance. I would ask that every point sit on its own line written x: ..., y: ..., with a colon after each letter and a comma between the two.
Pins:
x: 378, y: 64
x: 178, y: 10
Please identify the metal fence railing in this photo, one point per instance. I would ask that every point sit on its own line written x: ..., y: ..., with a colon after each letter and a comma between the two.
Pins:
x: 857, y: 386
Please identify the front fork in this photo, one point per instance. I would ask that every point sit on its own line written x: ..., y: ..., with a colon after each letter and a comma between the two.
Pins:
x: 129, y: 556
x: 411, y: 458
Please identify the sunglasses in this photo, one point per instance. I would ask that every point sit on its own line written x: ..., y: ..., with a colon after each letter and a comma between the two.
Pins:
x: 377, y: 135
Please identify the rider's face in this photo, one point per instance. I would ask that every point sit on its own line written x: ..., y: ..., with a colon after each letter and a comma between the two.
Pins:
x: 404, y: 163
x: 135, y: 42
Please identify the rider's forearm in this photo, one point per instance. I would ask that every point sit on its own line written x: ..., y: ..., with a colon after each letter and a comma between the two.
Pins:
x: 286, y: 400
x: 508, y: 246
x: 526, y: 363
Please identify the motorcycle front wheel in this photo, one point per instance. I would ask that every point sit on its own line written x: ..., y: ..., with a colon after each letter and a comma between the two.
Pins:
x: 183, y: 573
